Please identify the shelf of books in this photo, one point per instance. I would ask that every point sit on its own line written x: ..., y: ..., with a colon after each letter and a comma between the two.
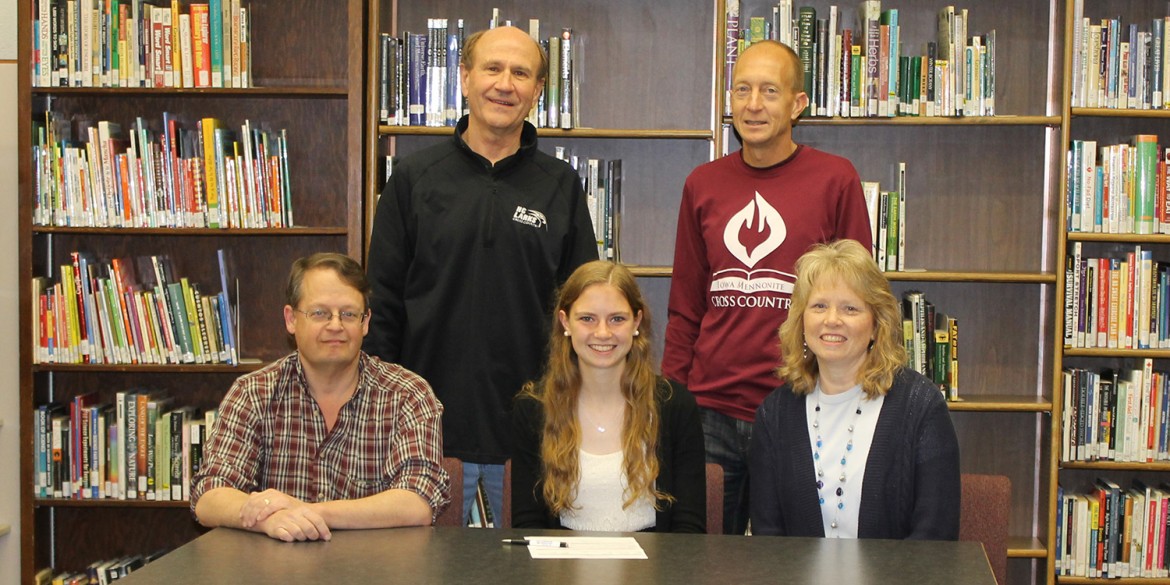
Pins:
x: 632, y: 133
x: 282, y: 91
x: 1113, y: 406
x: 578, y: 132
x: 180, y: 158
x: 998, y: 120
x: 919, y: 95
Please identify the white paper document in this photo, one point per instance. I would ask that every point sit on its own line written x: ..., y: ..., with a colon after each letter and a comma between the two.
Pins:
x: 586, y: 547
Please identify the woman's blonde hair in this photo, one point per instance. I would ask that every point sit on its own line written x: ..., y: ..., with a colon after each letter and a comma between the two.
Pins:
x: 559, y: 389
x: 849, y: 263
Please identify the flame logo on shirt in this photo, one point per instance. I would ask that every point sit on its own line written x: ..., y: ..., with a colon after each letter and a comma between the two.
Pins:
x: 754, y: 231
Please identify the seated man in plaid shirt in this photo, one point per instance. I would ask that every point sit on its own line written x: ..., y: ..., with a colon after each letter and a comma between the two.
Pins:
x: 327, y: 437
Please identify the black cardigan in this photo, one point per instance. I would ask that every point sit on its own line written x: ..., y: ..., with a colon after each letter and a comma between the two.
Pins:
x: 911, y: 487
x: 681, y: 464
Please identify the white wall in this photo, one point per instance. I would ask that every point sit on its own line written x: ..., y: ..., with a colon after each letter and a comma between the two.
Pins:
x: 9, y: 294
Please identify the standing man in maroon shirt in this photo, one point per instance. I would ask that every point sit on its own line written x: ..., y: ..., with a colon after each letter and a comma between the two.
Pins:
x: 743, y: 222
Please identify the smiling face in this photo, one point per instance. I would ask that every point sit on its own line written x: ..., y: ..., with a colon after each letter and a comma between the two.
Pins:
x: 502, y: 81
x: 838, y: 327
x: 332, y: 343
x: 601, y: 326
x: 764, y: 101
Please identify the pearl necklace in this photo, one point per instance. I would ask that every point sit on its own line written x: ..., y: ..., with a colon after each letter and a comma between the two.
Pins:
x: 840, y: 491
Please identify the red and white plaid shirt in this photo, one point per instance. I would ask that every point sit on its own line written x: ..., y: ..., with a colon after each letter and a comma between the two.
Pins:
x: 270, y: 433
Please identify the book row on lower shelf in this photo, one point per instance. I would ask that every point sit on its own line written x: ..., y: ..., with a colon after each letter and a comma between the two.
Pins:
x: 131, y: 43
x: 1105, y: 530
x: 420, y: 83
x: 1118, y: 188
x: 139, y: 447
x: 602, y: 181
x: 92, y: 174
x: 1116, y: 415
x: 1119, y: 65
x: 866, y: 70
x: 101, y: 312
x: 98, y: 572
x: 887, y: 221
x: 1119, y: 302
x: 931, y: 338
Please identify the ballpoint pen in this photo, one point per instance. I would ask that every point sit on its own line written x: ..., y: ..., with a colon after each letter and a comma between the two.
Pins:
x: 526, y: 542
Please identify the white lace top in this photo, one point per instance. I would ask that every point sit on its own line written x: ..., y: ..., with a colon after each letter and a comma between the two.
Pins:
x: 600, y: 494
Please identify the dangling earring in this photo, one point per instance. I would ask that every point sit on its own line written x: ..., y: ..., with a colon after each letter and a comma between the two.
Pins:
x: 870, y: 345
x: 804, y: 354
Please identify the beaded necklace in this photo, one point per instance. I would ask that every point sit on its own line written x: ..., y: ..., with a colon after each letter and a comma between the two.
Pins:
x: 840, y: 491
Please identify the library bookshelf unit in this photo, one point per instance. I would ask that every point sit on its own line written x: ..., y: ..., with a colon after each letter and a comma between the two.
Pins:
x: 1106, y: 126
x: 307, y: 78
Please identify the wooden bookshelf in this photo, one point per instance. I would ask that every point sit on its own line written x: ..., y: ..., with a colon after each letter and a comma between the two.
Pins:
x: 307, y: 73
x: 1110, y: 126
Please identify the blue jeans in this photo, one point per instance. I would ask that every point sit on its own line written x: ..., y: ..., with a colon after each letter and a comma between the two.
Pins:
x: 727, y: 440
x: 493, y: 484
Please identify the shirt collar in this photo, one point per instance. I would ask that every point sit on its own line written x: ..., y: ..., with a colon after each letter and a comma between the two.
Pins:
x: 527, y: 146
x: 292, y: 369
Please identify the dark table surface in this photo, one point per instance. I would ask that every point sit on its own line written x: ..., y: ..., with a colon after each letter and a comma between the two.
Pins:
x: 470, y: 555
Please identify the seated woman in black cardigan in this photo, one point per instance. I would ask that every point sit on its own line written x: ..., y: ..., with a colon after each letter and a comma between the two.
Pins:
x: 602, y: 442
x: 854, y: 445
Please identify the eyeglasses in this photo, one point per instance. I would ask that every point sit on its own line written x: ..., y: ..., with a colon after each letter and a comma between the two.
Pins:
x: 323, y: 316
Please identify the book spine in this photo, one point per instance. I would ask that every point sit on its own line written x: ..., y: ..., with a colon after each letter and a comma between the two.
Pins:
x: 892, y: 235
x: 234, y: 41
x: 142, y: 425
x: 730, y: 50
x: 178, y: 312
x: 197, y: 299
x: 186, y: 57
x: 45, y: 44
x: 188, y: 300
x: 806, y: 24
x: 228, y: 35
x: 149, y: 484
x: 178, y: 422
x: 128, y: 403
x: 553, y: 83
x: 162, y: 457
x: 215, y: 41
x: 245, y: 48
x: 384, y: 55
x: 568, y: 95
x: 60, y: 456
x: 417, y: 48
x: 433, y: 95
x: 167, y: 50
x: 196, y: 449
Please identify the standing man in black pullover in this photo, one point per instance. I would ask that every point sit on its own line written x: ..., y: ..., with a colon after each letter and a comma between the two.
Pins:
x: 470, y: 240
